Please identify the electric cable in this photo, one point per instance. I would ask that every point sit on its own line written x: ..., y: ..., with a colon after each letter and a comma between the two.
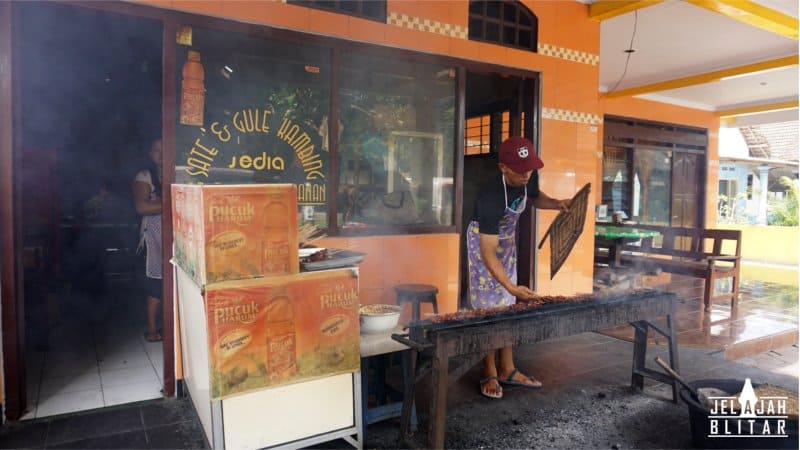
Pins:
x: 629, y: 51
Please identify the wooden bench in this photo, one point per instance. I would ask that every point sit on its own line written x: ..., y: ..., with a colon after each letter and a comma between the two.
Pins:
x: 695, y: 252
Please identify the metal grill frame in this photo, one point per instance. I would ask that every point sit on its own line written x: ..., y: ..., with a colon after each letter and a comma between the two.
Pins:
x: 566, y: 229
x: 435, y: 346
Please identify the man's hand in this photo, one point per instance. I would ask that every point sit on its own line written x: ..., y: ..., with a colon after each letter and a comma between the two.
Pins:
x: 522, y: 292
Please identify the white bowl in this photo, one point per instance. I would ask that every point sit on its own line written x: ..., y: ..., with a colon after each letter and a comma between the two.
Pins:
x: 377, y: 319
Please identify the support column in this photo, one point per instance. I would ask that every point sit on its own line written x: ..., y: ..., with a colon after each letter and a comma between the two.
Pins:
x: 763, y: 181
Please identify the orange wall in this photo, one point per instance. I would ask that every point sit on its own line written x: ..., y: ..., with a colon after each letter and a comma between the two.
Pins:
x: 567, y: 59
x: 572, y: 110
x: 392, y: 260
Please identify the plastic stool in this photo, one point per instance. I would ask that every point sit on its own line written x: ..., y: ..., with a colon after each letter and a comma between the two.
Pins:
x: 416, y: 294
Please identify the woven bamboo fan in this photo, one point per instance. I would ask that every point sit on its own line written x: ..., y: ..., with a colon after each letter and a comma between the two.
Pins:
x: 565, y: 229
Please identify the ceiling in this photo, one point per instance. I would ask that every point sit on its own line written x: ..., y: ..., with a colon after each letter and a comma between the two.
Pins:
x: 737, y: 58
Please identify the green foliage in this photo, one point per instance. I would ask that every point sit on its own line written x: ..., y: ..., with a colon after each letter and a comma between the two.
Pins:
x: 730, y: 210
x: 784, y: 212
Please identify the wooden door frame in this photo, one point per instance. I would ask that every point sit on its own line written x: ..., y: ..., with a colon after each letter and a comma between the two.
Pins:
x: 11, y: 272
x: 11, y: 282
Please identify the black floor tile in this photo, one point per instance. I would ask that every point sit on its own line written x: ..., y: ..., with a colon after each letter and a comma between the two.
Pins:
x: 94, y: 424
x: 167, y: 412
x: 128, y: 440
x: 184, y: 435
x: 24, y: 435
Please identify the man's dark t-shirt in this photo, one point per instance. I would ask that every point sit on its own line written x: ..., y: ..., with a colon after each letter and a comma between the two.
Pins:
x: 489, y: 206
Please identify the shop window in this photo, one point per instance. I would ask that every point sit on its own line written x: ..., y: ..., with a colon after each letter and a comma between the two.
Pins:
x: 652, y: 186
x: 367, y: 9
x: 616, y: 179
x: 252, y: 110
x: 651, y: 171
x: 395, y: 143
x: 486, y: 132
x: 503, y: 22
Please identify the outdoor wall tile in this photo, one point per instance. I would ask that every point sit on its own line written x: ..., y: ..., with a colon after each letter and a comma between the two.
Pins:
x: 464, y: 48
x: 329, y: 23
x: 574, y: 30
x: 411, y: 9
x: 402, y: 37
x: 370, y: 296
x: 459, y: 13
x: 366, y: 30
x: 257, y: 11
x: 198, y: 6
x: 400, y: 261
x: 493, y: 53
x: 438, y: 10
x: 434, y: 43
x: 284, y: 15
x: 546, y: 12
x: 520, y: 58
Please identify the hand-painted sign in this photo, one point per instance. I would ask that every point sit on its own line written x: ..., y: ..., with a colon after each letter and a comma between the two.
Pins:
x: 273, y: 147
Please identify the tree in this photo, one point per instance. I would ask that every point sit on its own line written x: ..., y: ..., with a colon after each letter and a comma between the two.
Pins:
x: 784, y: 212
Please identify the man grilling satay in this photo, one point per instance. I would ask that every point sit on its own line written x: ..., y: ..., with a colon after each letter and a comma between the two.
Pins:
x: 492, y: 249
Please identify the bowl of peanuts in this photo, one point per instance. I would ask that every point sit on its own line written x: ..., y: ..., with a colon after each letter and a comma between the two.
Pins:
x: 378, y: 318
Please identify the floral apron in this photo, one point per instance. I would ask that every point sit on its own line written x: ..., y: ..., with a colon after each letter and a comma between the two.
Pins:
x: 150, y: 240
x: 484, y: 290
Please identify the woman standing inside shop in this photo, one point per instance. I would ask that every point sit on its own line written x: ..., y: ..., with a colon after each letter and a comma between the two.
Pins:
x: 147, y: 200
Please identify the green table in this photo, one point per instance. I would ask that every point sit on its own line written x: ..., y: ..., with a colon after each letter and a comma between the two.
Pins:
x: 614, y: 237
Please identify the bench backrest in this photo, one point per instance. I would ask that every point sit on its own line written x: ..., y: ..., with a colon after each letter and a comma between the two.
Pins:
x: 694, y: 243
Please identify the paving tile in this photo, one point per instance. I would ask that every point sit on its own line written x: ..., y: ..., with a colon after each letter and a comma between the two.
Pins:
x: 181, y: 435
x: 94, y: 424
x: 127, y: 440
x: 167, y: 412
x: 24, y: 435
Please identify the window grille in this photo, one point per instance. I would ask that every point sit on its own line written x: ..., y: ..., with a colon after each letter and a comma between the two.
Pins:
x: 503, y: 22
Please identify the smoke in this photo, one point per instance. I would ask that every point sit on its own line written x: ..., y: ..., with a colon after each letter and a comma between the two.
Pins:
x: 90, y: 92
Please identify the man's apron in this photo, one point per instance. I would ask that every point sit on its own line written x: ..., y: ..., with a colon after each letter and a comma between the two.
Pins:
x: 484, y: 290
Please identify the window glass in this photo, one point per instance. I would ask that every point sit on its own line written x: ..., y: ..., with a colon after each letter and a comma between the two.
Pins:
x: 616, y: 182
x: 252, y: 110
x: 652, y: 186
x: 395, y: 142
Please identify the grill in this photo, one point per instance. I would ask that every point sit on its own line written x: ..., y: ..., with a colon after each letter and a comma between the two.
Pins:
x: 446, y: 349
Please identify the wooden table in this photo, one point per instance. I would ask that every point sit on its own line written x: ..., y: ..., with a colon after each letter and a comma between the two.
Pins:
x: 613, y: 238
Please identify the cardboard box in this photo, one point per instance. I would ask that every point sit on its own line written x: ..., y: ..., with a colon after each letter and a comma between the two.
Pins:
x: 234, y: 232
x: 282, y: 330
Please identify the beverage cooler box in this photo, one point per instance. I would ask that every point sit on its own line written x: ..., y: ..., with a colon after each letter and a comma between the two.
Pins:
x: 270, y: 356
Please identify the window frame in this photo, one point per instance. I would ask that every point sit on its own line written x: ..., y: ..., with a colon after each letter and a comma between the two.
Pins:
x: 639, y: 135
x: 503, y: 24
x: 336, y: 46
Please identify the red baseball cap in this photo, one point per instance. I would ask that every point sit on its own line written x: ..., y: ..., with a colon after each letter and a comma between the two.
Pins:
x: 519, y: 155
